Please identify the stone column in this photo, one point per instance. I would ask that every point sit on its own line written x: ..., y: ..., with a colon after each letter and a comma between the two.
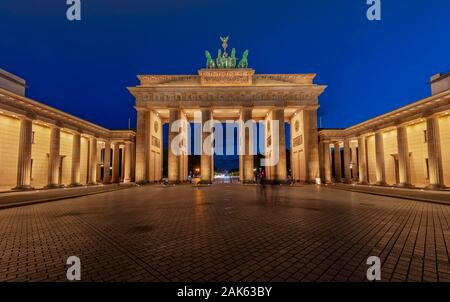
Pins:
x: 76, y: 159
x: 184, y: 148
x: 107, y: 163
x: 311, y: 145
x: 327, y: 161
x: 246, y: 148
x: 174, y: 158
x: 99, y: 160
x: 122, y: 165
x: 133, y: 162
x: 362, y: 160
x: 280, y: 173
x: 347, y: 176
x: 93, y: 161
x: 53, y: 157
x: 206, y: 159
x: 354, y: 163
x: 115, y: 163
x: 404, y: 166
x: 24, y: 163
x: 321, y: 160
x: 337, y: 162
x: 379, y: 157
x: 142, y: 146
x: 127, y: 163
x: 434, y: 154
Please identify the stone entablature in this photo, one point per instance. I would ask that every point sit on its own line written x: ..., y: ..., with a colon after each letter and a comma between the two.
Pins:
x: 286, y: 90
x: 257, y: 79
x: 122, y: 136
x: 417, y: 110
x: 20, y: 106
x: 227, y: 77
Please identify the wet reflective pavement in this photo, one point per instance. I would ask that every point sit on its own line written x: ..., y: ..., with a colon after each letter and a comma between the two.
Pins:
x: 226, y: 233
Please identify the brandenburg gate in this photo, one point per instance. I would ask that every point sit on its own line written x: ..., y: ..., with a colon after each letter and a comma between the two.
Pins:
x: 228, y: 90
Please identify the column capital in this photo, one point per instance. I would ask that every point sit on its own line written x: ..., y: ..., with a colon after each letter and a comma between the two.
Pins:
x: 141, y: 109
x: 29, y: 116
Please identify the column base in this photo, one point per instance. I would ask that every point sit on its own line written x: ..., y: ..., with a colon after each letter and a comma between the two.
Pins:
x: 365, y: 183
x: 49, y: 187
x: 92, y: 184
x: 406, y: 186
x: 23, y: 188
x: 435, y: 187
x: 381, y: 183
x: 348, y: 181
x: 75, y: 185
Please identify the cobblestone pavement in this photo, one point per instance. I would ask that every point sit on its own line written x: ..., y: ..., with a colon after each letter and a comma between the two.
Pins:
x: 226, y: 233
x: 14, y: 198
x: 414, y: 194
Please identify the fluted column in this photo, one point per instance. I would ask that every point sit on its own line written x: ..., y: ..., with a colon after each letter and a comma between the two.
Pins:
x: 174, y: 158
x: 24, y: 163
x: 404, y: 166
x: 54, y: 157
x: 379, y: 158
x: 99, y: 160
x: 354, y: 163
x: 206, y: 160
x: 115, y: 163
x: 142, y: 146
x: 107, y: 163
x: 246, y: 147
x: 434, y: 154
x: 321, y: 162
x: 127, y: 163
x: 327, y: 161
x: 347, y: 176
x: 337, y: 162
x: 76, y: 159
x: 311, y: 145
x: 133, y: 162
x: 280, y: 173
x: 362, y: 154
x: 93, y: 161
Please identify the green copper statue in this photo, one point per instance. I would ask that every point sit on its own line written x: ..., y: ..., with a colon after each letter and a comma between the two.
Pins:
x: 233, y: 58
x: 223, y: 60
x: 219, y: 60
x: 209, y: 60
x: 243, y: 63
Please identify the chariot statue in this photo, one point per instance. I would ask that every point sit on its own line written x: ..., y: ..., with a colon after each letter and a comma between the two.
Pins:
x: 223, y: 60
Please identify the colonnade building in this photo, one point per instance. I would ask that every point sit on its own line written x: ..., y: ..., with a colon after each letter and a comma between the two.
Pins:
x: 42, y: 147
x: 408, y: 147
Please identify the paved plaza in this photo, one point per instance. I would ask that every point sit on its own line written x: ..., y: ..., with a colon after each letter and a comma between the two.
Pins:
x: 226, y: 233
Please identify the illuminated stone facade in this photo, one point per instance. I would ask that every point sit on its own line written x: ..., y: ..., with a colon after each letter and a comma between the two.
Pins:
x: 42, y: 147
x: 406, y: 147
x: 222, y: 95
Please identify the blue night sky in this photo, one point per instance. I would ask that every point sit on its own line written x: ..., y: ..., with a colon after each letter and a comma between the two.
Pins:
x: 84, y: 67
